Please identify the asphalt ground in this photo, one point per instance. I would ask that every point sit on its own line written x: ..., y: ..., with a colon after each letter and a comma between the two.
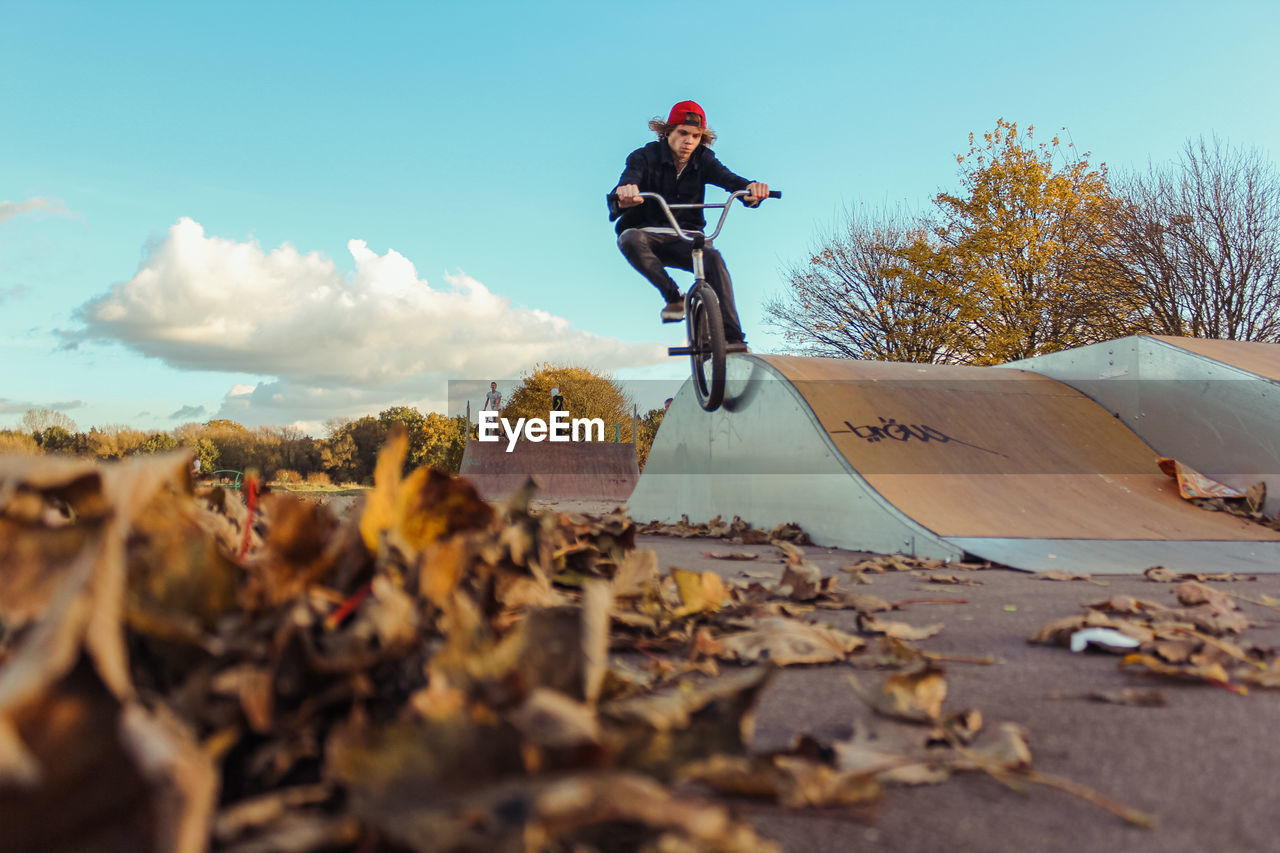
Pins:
x: 1203, y: 765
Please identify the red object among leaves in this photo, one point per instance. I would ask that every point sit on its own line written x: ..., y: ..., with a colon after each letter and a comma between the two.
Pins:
x: 251, y: 503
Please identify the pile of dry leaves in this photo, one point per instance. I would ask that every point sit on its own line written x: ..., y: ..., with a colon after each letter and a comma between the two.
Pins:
x: 733, y: 531
x: 1198, y: 639
x: 180, y: 672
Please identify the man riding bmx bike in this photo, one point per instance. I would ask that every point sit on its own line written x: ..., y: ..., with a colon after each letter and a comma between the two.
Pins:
x: 678, y: 166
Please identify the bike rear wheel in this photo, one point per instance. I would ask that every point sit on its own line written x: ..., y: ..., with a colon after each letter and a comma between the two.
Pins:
x: 706, y: 344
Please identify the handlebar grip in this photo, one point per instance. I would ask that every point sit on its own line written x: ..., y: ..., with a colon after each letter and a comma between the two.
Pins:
x: 775, y: 194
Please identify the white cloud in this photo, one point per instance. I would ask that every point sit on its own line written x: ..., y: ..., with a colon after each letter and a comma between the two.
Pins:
x: 330, y: 342
x: 21, y: 406
x: 187, y: 413
x: 10, y: 209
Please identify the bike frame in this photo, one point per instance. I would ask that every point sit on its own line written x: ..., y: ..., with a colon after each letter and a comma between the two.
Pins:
x: 699, y: 239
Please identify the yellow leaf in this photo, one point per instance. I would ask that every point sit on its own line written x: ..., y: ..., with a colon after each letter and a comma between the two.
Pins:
x: 380, y: 506
x: 699, y: 591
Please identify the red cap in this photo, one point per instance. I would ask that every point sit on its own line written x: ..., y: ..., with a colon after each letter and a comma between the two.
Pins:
x: 688, y: 112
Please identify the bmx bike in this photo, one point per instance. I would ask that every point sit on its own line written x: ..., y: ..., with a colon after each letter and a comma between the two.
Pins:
x: 703, y: 321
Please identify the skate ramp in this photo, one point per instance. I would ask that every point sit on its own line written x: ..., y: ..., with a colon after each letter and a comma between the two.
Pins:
x: 935, y: 461
x: 601, y: 471
x: 1211, y: 404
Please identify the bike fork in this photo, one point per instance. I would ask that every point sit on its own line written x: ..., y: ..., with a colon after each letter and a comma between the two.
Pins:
x: 698, y: 273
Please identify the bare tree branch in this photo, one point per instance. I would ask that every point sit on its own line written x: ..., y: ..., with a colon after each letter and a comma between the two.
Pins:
x: 1201, y: 237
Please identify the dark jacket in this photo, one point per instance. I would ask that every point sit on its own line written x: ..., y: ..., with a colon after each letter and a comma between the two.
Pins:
x: 653, y: 169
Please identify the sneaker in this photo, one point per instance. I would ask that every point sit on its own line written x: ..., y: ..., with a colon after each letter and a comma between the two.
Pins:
x: 674, y: 312
x: 737, y: 346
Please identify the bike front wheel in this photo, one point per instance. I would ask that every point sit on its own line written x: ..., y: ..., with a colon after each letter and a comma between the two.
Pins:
x: 706, y: 343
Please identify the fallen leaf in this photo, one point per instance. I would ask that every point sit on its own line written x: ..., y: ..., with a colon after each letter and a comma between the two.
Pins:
x: 1061, y: 575
x: 897, y: 630
x: 700, y: 592
x: 915, y: 696
x: 787, y: 642
x: 938, y: 577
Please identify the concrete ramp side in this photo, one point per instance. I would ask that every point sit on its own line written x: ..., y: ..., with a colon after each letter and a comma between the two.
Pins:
x: 600, y: 471
x: 934, y: 460
x: 766, y: 458
x: 1212, y: 404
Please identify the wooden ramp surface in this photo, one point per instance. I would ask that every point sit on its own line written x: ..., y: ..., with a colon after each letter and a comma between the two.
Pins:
x: 966, y: 453
x: 1257, y: 358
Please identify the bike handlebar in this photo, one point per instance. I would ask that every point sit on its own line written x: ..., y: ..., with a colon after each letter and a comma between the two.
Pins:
x: 724, y: 213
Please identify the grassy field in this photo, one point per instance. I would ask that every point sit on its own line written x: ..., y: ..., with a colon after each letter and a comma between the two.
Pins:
x: 310, y: 490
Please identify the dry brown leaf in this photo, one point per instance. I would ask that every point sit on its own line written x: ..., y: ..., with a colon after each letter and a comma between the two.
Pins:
x: 76, y: 748
x: 636, y: 574
x: 895, y: 763
x: 1193, y: 593
x: 597, y: 606
x: 943, y: 578
x: 1212, y: 673
x: 1062, y: 575
x: 662, y: 731
x: 1059, y: 631
x: 1267, y: 676
x: 848, y: 600
x: 888, y: 653
x: 1005, y: 749
x: 915, y: 696
x: 787, y: 642
x: 897, y: 630
x: 549, y: 718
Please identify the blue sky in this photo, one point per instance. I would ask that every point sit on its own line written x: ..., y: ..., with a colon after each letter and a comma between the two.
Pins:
x: 286, y: 212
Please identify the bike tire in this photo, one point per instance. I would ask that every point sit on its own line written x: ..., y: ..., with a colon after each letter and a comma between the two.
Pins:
x: 706, y: 339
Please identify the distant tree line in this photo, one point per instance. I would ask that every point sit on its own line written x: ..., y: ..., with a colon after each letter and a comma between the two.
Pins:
x: 346, y: 455
x: 349, y: 451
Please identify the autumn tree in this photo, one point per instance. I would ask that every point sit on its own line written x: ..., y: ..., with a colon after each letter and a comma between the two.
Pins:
x: 57, y: 439
x: 646, y: 432
x: 158, y: 442
x: 114, y: 441
x: 586, y: 395
x: 352, y: 449
x: 337, y: 454
x: 1201, y: 238
x: 846, y: 301
x: 234, y: 443
x: 192, y: 437
x: 443, y: 442
x: 1017, y: 251
x: 296, y: 450
x: 412, y: 421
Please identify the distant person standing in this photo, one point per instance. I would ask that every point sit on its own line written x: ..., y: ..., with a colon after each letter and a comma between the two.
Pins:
x: 492, y: 400
x: 557, y: 400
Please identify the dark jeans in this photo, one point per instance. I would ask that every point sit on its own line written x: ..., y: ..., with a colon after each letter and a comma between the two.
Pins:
x: 651, y: 253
